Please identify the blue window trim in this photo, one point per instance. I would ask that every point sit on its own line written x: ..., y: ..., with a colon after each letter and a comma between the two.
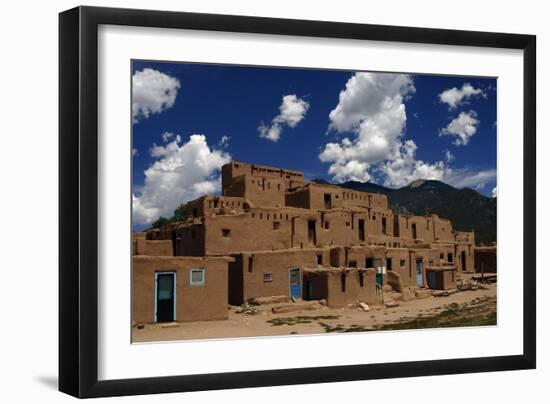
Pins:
x: 173, y: 289
x: 203, y: 271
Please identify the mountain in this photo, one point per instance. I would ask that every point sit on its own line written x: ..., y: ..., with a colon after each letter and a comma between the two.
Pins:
x: 467, y: 209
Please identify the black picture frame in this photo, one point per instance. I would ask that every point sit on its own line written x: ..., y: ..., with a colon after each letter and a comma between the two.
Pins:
x: 78, y: 201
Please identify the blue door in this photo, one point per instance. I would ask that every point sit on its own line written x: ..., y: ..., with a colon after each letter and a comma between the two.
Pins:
x: 295, y: 281
x: 419, y: 275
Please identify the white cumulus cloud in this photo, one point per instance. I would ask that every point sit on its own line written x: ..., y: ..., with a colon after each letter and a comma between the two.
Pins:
x: 494, y: 192
x: 453, y: 97
x: 449, y: 157
x: 404, y: 168
x: 291, y: 111
x: 463, y: 127
x: 371, y: 108
x: 469, y: 178
x: 152, y: 93
x: 180, y: 173
x: 371, y: 113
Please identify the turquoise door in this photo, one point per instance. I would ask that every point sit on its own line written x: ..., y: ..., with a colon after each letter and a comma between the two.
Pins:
x: 295, y: 281
x: 419, y: 275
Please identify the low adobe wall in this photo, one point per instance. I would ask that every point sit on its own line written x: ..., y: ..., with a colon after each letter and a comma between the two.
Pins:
x: 341, y: 287
x: 193, y: 303
x: 153, y: 247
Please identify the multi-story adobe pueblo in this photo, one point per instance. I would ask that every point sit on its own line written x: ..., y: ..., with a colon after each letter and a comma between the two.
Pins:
x: 271, y: 233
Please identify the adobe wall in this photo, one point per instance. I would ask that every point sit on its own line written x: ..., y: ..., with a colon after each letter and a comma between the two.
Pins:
x: 442, y: 229
x: 258, y: 191
x: 380, y: 222
x: 347, y: 287
x: 405, y: 225
x: 153, y: 247
x: 428, y: 256
x: 190, y: 300
x: 366, y: 256
x: 440, y: 278
x: 400, y: 264
x: 266, y: 273
x: 190, y: 240
x: 260, y: 229
x: 352, y: 199
x: 236, y: 169
x: 466, y: 251
x: 465, y: 237
x: 485, y: 259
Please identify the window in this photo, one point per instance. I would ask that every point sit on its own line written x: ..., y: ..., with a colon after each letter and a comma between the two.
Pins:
x: 402, y: 263
x: 353, y: 264
x: 362, y: 279
x: 276, y: 225
x: 196, y: 277
x: 268, y: 277
x: 450, y: 257
x: 389, y: 262
x: 327, y: 225
x: 226, y: 233
x: 369, y: 263
x: 319, y: 259
x: 343, y: 282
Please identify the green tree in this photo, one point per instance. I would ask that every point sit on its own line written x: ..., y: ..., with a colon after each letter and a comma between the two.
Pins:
x: 180, y: 213
x: 161, y: 221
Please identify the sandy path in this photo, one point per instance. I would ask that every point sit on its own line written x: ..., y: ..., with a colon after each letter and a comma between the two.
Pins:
x: 243, y: 325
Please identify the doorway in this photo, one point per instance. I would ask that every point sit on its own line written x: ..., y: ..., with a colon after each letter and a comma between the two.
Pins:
x: 165, y: 297
x: 311, y: 234
x: 295, y: 281
x: 361, y: 229
x: 419, y: 273
x: 328, y: 201
x: 463, y: 260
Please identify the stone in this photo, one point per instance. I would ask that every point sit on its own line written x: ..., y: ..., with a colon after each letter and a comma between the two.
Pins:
x: 387, y: 288
x: 140, y: 326
x: 408, y: 294
x: 423, y: 293
x: 440, y: 293
x: 170, y: 325
x: 465, y: 284
x: 390, y: 303
x: 269, y: 300
x: 287, y: 308
x: 323, y: 302
x: 364, y: 306
x: 452, y: 291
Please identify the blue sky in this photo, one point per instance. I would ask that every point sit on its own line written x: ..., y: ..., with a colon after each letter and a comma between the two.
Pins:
x: 336, y: 125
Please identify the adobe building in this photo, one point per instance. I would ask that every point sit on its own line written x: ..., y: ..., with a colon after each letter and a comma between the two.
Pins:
x: 276, y: 234
x: 485, y: 259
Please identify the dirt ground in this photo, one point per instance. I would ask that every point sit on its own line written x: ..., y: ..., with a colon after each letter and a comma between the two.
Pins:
x: 466, y: 308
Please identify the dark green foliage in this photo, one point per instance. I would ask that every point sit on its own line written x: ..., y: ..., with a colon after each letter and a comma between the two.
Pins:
x: 161, y: 221
x: 180, y: 214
